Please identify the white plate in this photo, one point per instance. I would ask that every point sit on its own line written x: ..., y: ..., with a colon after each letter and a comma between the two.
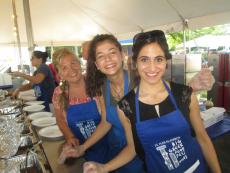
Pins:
x: 28, y: 98
x: 34, y: 108
x: 37, y: 115
x: 43, y: 122
x: 51, y: 132
x: 34, y: 102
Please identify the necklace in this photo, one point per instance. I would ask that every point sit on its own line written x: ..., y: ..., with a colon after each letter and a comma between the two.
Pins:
x: 117, y: 94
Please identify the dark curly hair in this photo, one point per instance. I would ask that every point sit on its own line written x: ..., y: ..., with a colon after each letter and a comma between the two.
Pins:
x: 144, y: 38
x: 94, y: 78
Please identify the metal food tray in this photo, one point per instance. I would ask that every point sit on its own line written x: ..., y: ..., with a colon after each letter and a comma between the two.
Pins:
x: 11, y: 116
x: 15, y: 109
x: 26, y: 129
x: 26, y: 142
x: 28, y: 162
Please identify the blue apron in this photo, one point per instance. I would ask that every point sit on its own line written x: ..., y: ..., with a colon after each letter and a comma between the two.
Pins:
x: 83, y: 119
x: 116, y: 136
x: 167, y: 142
x: 41, y: 95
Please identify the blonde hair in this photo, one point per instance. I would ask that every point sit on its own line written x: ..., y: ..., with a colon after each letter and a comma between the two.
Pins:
x: 57, y: 56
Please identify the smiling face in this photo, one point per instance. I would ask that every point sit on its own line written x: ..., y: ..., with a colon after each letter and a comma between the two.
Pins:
x: 151, y: 63
x: 108, y: 58
x: 70, y: 69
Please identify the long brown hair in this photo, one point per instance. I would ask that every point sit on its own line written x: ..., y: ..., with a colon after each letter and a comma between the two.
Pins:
x: 94, y: 78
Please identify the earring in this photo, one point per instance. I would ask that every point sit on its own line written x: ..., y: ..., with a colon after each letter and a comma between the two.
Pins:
x: 62, y: 82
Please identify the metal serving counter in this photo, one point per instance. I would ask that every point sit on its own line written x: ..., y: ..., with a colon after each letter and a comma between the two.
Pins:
x: 35, y: 153
x: 52, y: 150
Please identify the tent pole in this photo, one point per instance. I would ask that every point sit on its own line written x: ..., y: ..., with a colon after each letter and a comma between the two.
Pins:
x: 17, y: 33
x: 29, y: 29
x: 185, y: 27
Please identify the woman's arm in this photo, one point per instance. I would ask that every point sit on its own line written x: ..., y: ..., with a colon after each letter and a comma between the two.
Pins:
x: 38, y: 78
x: 21, y: 88
x: 61, y: 118
x: 126, y: 155
x: 102, y: 128
x: 62, y: 124
x: 202, y: 136
x: 128, y: 152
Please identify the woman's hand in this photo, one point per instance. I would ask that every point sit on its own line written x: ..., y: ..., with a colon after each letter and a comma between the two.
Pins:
x: 80, y: 150
x: 68, y: 151
x: 93, y: 167
x: 17, y: 74
x: 73, y: 141
x: 15, y: 93
x: 203, y: 80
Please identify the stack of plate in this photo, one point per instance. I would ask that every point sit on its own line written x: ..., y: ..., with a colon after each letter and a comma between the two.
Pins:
x: 44, y: 122
x: 47, y: 125
x: 51, y: 133
x: 28, y: 98
x: 36, y: 102
x: 34, y: 108
x: 38, y: 115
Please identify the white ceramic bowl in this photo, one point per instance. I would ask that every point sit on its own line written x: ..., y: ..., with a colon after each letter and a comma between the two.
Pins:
x: 36, y: 102
x: 44, y: 122
x: 28, y: 98
x: 34, y: 108
x: 51, y: 132
x: 38, y: 115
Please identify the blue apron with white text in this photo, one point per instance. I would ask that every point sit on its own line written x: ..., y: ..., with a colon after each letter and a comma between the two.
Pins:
x: 82, y: 120
x: 168, y: 144
x: 116, y: 135
x: 41, y: 96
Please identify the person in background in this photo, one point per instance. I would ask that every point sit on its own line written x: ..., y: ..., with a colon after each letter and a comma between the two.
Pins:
x: 54, y: 72
x: 77, y: 114
x: 85, y: 49
x: 161, y: 119
x: 42, y: 80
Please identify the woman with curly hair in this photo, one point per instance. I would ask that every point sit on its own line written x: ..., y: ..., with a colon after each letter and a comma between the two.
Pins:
x: 106, y: 77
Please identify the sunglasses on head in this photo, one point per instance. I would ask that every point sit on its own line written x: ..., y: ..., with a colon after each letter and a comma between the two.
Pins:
x: 149, y: 35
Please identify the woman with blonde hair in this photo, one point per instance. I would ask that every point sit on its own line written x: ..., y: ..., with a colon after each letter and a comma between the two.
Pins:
x: 77, y: 114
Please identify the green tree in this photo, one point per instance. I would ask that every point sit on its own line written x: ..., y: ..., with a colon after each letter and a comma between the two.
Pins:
x: 176, y: 38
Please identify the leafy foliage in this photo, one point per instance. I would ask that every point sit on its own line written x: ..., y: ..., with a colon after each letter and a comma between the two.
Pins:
x: 176, y: 38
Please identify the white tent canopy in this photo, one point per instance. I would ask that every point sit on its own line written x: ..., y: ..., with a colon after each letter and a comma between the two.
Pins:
x: 68, y: 22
